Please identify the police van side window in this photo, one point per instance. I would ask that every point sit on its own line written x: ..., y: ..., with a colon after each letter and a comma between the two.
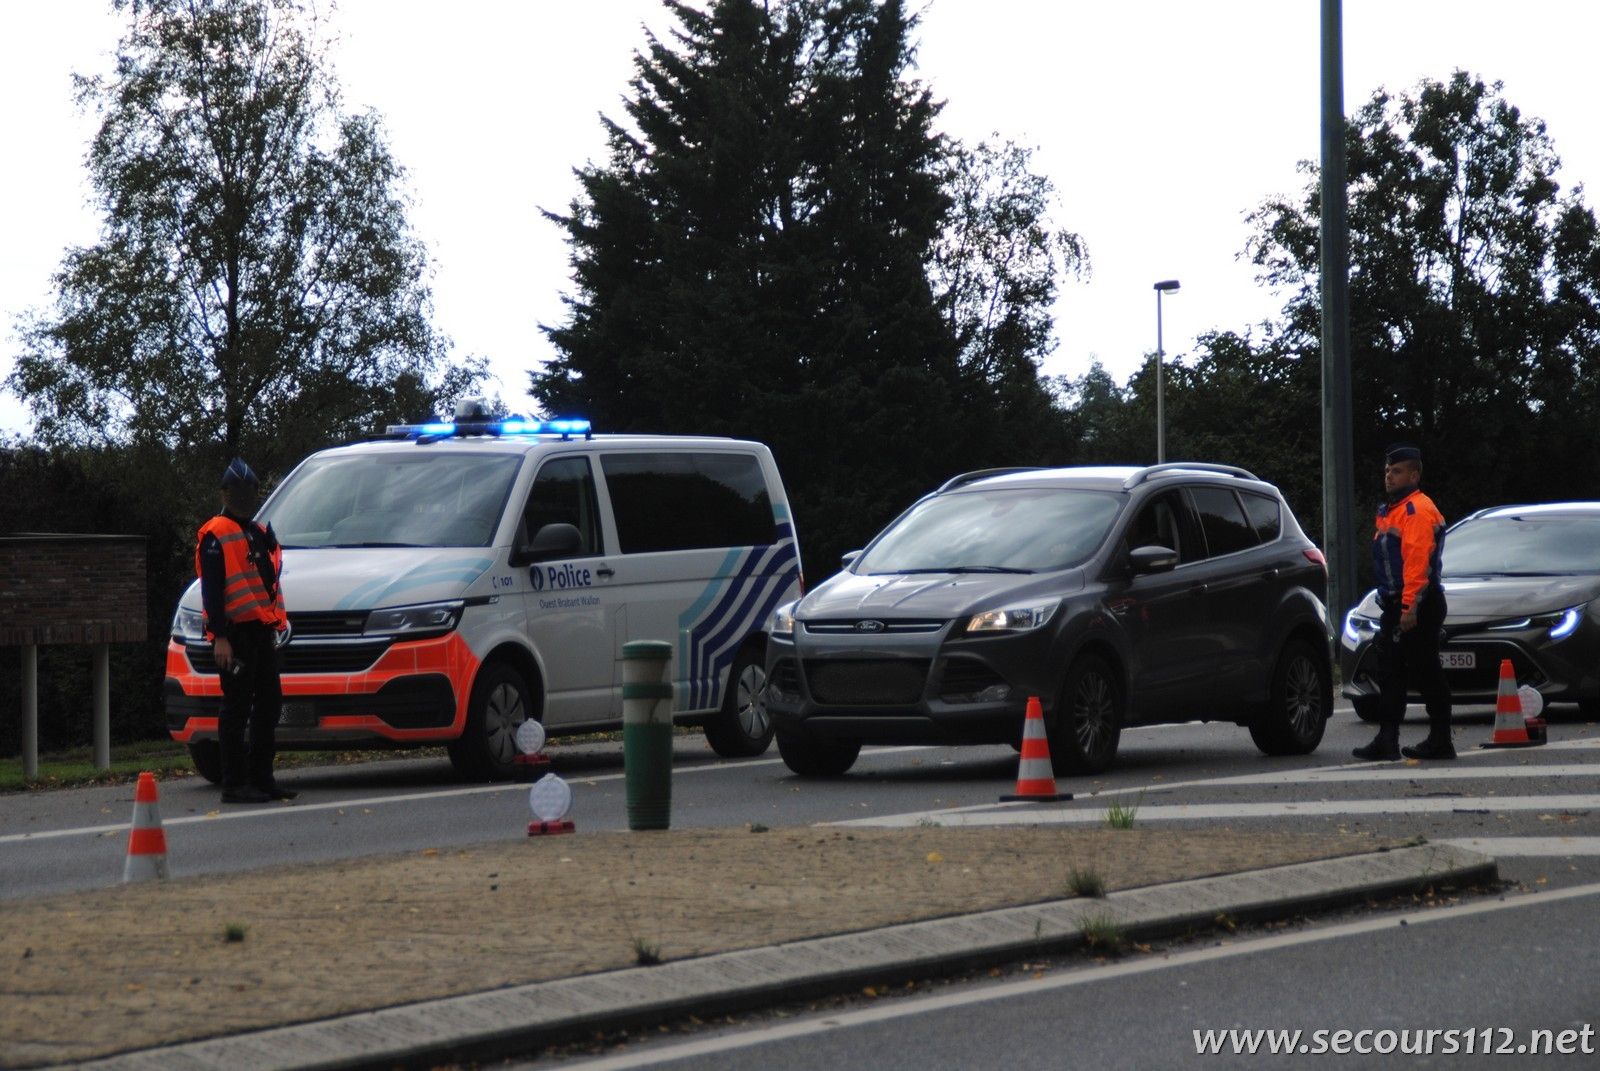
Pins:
x: 1223, y: 520
x: 564, y: 493
x: 1265, y: 516
x: 687, y: 501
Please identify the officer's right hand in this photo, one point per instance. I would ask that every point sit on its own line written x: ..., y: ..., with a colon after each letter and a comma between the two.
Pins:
x: 223, y: 653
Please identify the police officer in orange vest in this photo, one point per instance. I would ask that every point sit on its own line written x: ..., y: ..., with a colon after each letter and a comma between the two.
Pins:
x: 238, y: 562
x: 1406, y: 552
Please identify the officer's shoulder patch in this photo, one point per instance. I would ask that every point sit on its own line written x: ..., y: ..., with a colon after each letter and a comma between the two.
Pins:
x: 1411, y: 508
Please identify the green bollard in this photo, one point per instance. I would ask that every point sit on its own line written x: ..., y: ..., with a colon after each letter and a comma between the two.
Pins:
x: 647, y: 733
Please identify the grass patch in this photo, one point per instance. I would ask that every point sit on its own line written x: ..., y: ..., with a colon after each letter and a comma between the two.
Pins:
x: 74, y: 767
x: 1120, y: 815
x: 234, y: 932
x: 1102, y: 934
x: 1086, y: 883
x: 646, y: 953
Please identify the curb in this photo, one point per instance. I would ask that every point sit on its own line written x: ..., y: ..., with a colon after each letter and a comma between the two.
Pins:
x: 510, y: 1021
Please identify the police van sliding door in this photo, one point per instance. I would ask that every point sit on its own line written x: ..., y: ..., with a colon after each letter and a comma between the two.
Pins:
x: 704, y: 560
x: 570, y: 610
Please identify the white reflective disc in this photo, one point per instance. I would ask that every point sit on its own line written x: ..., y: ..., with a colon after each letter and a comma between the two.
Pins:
x: 530, y: 737
x: 1532, y: 701
x: 550, y: 798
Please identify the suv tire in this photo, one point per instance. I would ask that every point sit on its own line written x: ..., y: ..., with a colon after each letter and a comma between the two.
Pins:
x: 500, y: 703
x: 810, y: 757
x: 1298, y: 702
x: 742, y: 729
x: 207, y: 758
x: 1086, y: 724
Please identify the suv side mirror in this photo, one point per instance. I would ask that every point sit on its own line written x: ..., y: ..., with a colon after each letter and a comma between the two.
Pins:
x: 1153, y: 559
x: 557, y: 540
x: 848, y: 558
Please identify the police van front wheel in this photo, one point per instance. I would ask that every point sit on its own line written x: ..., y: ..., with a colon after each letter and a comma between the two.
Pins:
x: 742, y: 729
x: 500, y: 703
x: 207, y: 758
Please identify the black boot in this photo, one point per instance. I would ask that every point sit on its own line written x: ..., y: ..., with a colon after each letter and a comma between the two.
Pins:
x: 1436, y: 746
x: 1385, y: 747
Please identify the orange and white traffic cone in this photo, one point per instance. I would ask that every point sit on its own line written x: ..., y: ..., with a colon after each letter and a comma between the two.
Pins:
x: 1036, y: 778
x: 147, y: 841
x: 1510, y: 729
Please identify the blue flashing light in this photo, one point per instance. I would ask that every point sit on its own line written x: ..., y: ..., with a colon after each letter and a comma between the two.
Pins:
x: 1568, y: 623
x: 565, y: 428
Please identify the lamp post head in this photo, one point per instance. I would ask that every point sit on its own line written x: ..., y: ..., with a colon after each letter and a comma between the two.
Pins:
x: 1167, y: 284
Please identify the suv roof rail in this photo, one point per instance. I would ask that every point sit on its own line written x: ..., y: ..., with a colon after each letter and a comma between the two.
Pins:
x: 982, y: 474
x: 1151, y: 471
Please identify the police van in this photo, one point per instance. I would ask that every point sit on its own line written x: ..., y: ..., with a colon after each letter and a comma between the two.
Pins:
x: 448, y: 581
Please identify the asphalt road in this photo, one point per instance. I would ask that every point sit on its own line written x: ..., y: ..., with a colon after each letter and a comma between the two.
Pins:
x: 75, y: 839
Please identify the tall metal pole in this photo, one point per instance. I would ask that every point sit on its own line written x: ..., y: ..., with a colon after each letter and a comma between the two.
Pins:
x: 1338, y: 484
x: 1161, y: 421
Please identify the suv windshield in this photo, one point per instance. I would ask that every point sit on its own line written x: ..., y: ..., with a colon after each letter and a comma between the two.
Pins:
x: 420, y: 499
x: 1025, y: 530
x: 1530, y: 544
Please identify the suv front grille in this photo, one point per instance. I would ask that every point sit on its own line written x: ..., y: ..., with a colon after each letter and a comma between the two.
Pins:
x: 888, y: 628
x: 876, y: 682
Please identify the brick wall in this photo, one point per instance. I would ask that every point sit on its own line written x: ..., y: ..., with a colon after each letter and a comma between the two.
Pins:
x: 72, y: 589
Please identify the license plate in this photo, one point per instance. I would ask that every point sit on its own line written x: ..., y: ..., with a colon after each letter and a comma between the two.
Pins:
x: 1458, y: 659
x: 298, y: 715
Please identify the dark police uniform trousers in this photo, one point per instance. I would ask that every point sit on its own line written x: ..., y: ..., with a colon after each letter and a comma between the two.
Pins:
x: 252, y: 697
x: 1412, y: 658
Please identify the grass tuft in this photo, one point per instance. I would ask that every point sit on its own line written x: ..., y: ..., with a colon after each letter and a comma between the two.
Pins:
x: 1102, y: 934
x: 1120, y: 815
x: 1086, y: 883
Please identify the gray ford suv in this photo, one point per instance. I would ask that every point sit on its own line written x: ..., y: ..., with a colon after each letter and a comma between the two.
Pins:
x: 1118, y: 596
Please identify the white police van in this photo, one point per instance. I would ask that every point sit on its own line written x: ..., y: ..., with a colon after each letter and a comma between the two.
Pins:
x: 448, y: 581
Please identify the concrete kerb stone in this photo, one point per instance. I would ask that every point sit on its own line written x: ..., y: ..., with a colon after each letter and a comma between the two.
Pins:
x: 506, y: 1021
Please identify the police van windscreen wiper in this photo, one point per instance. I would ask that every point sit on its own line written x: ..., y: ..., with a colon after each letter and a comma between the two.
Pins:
x: 964, y: 569
x: 343, y: 546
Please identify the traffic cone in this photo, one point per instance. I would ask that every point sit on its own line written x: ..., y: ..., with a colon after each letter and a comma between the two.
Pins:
x: 1036, y: 778
x: 1510, y: 729
x: 147, y: 841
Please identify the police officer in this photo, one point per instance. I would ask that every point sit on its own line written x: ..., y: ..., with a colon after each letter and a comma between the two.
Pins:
x: 238, y: 562
x: 1405, y: 558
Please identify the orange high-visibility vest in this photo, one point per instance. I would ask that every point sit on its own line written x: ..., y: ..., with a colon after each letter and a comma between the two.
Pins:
x: 244, y: 594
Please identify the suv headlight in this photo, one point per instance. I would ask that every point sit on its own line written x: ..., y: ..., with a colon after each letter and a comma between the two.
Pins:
x: 188, y: 626
x: 781, y: 623
x: 1013, y: 618
x: 410, y: 622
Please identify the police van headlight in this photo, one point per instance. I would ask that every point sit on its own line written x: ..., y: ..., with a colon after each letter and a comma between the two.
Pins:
x: 414, y: 622
x: 188, y: 626
x: 1012, y: 618
x: 782, y: 621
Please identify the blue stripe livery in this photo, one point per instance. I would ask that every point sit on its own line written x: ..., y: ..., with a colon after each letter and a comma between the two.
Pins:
x: 749, y: 586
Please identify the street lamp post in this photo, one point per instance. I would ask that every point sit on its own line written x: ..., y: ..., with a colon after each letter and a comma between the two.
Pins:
x: 1162, y: 287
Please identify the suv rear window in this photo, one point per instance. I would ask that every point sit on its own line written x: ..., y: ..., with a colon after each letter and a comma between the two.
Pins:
x: 1264, y: 515
x: 688, y: 501
x: 1223, y: 520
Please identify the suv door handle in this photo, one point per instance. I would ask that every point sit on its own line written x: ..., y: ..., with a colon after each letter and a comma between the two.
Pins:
x: 1272, y: 574
x: 605, y: 572
x: 1199, y: 589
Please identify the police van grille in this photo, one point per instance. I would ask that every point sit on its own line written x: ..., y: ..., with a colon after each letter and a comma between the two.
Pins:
x: 866, y: 682
x: 306, y: 657
x: 327, y: 623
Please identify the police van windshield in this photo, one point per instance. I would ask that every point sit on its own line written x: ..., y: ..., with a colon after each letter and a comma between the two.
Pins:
x: 1009, y: 531
x: 393, y: 500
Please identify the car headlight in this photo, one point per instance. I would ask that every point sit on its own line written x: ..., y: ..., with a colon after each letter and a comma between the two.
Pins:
x: 1355, y: 626
x: 1566, y: 623
x: 1013, y: 618
x: 409, y: 622
x: 781, y: 623
x: 188, y: 626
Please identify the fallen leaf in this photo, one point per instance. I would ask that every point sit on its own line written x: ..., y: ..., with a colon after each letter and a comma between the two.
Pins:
x: 935, y: 857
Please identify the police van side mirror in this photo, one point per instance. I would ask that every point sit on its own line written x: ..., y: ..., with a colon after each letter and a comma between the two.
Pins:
x: 1153, y: 559
x: 553, y: 541
x: 848, y: 558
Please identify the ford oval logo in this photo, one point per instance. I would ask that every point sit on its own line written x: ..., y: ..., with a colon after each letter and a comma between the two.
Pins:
x: 870, y: 626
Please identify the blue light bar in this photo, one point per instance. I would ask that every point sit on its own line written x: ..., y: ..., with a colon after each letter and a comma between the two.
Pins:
x: 565, y: 427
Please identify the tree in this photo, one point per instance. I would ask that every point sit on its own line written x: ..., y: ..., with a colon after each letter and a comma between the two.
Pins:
x: 754, y: 257
x: 1475, y: 294
x: 256, y: 288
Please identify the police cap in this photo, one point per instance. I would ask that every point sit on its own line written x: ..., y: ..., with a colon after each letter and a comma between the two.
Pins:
x: 240, y: 474
x: 1402, y: 452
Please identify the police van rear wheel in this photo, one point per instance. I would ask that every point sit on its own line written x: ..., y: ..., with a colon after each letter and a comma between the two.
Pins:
x: 742, y: 729
x: 500, y: 703
x: 207, y: 758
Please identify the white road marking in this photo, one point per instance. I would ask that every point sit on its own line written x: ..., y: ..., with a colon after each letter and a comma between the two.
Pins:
x: 1194, y: 812
x: 909, y: 1006
x: 280, y: 810
x: 1527, y: 847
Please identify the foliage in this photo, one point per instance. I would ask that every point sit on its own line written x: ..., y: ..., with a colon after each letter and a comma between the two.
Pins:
x: 256, y: 288
x: 754, y: 257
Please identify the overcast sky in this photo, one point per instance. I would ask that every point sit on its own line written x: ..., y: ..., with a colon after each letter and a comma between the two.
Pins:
x: 1161, y: 124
